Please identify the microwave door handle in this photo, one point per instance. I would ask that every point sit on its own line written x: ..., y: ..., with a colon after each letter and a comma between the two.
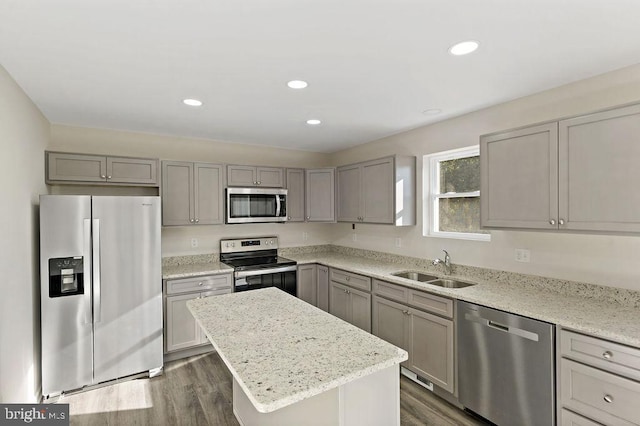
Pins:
x: 278, y: 206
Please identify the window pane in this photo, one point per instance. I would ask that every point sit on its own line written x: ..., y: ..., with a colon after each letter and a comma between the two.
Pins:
x: 460, y: 215
x: 460, y: 175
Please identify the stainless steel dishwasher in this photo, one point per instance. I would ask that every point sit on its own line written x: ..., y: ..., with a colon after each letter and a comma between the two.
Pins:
x: 506, y: 368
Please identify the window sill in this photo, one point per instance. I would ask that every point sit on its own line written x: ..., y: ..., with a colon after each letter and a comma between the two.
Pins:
x: 460, y: 236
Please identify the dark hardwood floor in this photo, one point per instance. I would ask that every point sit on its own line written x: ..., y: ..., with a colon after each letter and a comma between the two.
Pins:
x: 197, y: 391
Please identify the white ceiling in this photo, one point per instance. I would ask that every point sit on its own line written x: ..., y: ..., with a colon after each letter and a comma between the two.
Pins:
x: 373, y: 66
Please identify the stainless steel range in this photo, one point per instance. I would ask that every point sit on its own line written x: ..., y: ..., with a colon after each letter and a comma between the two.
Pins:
x: 257, y: 265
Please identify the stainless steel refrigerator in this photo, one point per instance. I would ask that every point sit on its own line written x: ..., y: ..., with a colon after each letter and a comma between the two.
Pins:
x: 101, y: 289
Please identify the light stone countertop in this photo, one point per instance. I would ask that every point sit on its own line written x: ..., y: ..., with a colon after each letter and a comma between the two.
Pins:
x: 194, y: 269
x: 282, y: 350
x: 600, y: 317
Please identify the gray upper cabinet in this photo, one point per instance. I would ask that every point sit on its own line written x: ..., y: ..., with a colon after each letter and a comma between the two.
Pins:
x: 519, y: 178
x: 599, y: 156
x: 72, y: 168
x: 320, y: 195
x: 378, y: 191
x: 247, y: 176
x: 192, y: 193
x: 295, y: 195
x: 576, y: 174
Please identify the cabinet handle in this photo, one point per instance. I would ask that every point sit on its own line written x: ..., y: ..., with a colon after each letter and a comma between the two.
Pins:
x: 288, y: 217
x: 255, y: 183
x: 348, y: 278
x: 607, y: 355
x: 608, y: 399
x: 561, y: 222
x: 197, y: 220
x: 200, y: 283
x: 103, y: 176
x: 108, y: 177
x: 552, y: 222
x: 191, y: 220
x: 259, y: 183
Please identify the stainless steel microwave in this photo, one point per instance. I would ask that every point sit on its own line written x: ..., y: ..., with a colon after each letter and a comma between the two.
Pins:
x: 256, y: 205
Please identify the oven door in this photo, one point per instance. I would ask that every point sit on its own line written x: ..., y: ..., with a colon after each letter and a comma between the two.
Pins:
x: 283, y: 278
x: 251, y: 205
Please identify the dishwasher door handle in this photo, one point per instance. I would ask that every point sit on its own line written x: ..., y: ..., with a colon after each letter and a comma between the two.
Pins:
x: 501, y: 327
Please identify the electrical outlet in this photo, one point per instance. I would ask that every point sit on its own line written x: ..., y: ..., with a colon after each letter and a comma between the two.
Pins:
x: 194, y: 242
x: 354, y: 237
x: 523, y: 255
x: 305, y: 236
x: 398, y: 242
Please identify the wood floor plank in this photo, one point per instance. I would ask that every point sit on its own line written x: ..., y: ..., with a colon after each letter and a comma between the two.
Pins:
x: 198, y: 391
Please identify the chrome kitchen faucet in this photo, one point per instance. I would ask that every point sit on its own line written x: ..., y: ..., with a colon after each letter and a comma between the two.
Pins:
x: 446, y: 262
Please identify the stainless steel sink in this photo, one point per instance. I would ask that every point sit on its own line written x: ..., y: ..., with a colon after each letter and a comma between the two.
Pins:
x: 415, y: 276
x: 450, y: 283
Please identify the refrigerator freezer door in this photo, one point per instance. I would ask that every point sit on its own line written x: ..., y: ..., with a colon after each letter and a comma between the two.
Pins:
x: 67, y: 355
x: 128, y: 317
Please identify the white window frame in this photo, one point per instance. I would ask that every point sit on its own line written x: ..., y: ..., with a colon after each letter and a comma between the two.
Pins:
x: 430, y: 188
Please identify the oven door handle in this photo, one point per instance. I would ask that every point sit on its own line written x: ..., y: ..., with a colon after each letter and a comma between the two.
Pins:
x: 243, y: 274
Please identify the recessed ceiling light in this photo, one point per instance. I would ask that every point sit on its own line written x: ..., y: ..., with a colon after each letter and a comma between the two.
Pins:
x: 313, y: 122
x: 432, y: 111
x: 463, y: 48
x: 192, y: 102
x: 297, y: 84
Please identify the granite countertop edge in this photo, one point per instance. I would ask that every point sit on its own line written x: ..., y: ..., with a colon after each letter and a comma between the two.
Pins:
x: 599, y: 318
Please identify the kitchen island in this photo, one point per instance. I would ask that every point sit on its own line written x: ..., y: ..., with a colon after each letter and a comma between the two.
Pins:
x: 294, y: 364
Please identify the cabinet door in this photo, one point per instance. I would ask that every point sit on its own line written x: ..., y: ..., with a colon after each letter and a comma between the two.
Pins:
x: 208, y: 194
x: 377, y: 191
x: 76, y: 168
x: 431, y: 348
x: 181, y: 328
x: 339, y: 301
x: 348, y: 193
x: 320, y: 195
x: 519, y: 178
x: 241, y: 176
x: 140, y: 171
x: 323, y: 287
x: 177, y: 193
x: 360, y: 309
x: 599, y: 174
x: 271, y: 177
x: 308, y: 284
x: 391, y: 322
x: 295, y: 195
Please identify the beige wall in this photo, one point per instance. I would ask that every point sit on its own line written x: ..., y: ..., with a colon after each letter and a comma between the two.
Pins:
x: 177, y: 240
x: 600, y: 259
x: 24, y: 134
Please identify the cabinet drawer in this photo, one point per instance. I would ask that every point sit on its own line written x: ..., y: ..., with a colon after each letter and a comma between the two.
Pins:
x: 600, y: 353
x: 391, y: 291
x: 569, y: 418
x: 431, y: 303
x: 350, y: 279
x: 203, y: 283
x: 599, y: 395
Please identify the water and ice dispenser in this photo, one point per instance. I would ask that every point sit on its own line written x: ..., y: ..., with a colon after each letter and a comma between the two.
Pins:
x: 66, y: 276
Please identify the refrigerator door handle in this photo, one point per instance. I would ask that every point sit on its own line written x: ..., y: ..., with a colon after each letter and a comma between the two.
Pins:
x: 97, y: 304
x: 87, y: 266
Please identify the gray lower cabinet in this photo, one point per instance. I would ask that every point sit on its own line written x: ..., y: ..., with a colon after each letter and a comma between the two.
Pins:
x: 71, y: 168
x: 427, y: 333
x: 599, y: 381
x: 180, y: 328
x: 295, y: 195
x: 320, y: 205
x: 192, y: 193
x: 574, y: 174
x: 269, y: 177
x: 323, y: 288
x: 377, y: 191
x: 350, y: 297
x: 308, y: 283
